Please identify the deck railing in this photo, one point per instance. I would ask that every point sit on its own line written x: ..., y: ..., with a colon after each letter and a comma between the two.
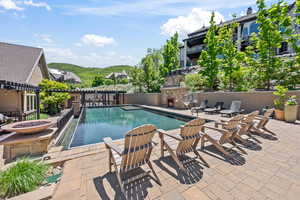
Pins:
x: 19, y: 116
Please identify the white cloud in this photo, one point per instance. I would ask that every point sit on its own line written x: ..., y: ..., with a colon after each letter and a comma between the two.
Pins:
x: 45, y: 37
x: 97, y: 40
x: 37, y: 4
x: 57, y: 53
x: 78, y: 44
x: 9, y: 5
x: 187, y: 24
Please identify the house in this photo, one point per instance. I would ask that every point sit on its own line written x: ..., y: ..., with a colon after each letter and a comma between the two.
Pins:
x: 193, y: 45
x: 64, y: 76
x: 25, y: 65
x: 118, y: 75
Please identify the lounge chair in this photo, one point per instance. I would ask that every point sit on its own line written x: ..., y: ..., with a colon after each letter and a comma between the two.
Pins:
x: 248, y: 121
x: 261, y: 122
x: 218, y: 107
x: 233, y: 110
x: 137, y: 150
x: 200, y: 108
x: 184, y: 142
x: 225, y: 135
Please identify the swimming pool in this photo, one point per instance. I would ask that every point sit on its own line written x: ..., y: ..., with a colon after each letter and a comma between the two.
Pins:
x: 98, y: 123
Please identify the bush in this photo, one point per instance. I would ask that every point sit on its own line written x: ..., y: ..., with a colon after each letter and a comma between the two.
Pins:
x: 23, y: 177
x: 194, y: 81
x: 51, y: 101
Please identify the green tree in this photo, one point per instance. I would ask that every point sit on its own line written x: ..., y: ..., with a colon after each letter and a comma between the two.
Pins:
x: 209, y: 60
x: 274, y: 25
x: 137, y: 78
x: 232, y: 58
x: 152, y: 79
x: 98, y: 81
x: 170, y: 53
x: 51, y: 102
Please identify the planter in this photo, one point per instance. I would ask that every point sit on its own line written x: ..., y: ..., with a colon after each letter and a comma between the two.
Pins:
x: 290, y: 113
x: 279, y: 114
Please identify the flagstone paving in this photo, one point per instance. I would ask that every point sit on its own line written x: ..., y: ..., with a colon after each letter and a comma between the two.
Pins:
x: 270, y: 170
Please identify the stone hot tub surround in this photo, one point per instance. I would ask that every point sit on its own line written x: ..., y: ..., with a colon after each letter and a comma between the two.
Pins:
x: 173, y: 96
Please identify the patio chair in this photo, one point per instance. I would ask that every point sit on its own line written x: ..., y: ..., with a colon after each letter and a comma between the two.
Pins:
x: 225, y: 135
x: 217, y: 108
x: 184, y: 142
x: 137, y: 150
x: 261, y: 122
x: 233, y: 110
x: 248, y: 121
x: 200, y: 108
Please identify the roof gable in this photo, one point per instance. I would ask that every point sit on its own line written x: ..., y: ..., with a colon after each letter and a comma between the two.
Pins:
x: 17, y: 62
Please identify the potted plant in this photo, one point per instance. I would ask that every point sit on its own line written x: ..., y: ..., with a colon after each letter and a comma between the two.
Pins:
x: 279, y: 102
x: 290, y: 109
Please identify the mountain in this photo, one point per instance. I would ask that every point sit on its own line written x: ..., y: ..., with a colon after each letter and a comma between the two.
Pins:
x: 87, y: 74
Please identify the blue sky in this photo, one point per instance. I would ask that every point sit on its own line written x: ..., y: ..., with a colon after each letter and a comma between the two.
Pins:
x: 100, y: 33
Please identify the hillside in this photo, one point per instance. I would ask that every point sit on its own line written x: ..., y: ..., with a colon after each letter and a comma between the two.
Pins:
x: 87, y: 74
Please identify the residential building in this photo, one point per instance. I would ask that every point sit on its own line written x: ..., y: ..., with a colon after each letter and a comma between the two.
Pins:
x: 118, y: 75
x: 20, y: 64
x: 64, y: 76
x: 194, y: 43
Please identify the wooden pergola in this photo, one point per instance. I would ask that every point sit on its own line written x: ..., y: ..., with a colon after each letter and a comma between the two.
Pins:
x: 105, y: 93
x: 119, y: 95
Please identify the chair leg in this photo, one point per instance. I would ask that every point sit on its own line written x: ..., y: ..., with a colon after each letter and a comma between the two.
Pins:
x: 109, y: 160
x: 118, y: 174
x: 162, y: 144
x: 218, y: 146
x: 201, y: 158
x: 202, y: 143
x: 153, y: 172
x: 236, y: 146
x: 267, y: 130
x: 175, y: 158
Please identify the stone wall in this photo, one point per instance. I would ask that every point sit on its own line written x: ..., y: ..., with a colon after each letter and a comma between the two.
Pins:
x: 250, y: 100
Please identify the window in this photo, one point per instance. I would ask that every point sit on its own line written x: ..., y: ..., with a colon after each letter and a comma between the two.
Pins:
x: 254, y: 27
x: 245, y: 32
x: 27, y: 103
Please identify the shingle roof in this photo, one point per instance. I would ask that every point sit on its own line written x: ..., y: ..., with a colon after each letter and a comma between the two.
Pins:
x: 17, y: 61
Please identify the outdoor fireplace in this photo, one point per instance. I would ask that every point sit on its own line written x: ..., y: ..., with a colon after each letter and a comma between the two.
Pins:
x: 171, y: 102
x: 172, y: 97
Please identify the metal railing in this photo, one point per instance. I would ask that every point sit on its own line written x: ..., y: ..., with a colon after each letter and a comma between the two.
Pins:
x: 20, y: 116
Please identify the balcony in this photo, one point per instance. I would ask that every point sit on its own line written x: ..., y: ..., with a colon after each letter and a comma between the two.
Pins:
x: 195, y: 49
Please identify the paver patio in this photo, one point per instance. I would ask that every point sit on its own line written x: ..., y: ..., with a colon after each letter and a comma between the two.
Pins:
x: 271, y: 170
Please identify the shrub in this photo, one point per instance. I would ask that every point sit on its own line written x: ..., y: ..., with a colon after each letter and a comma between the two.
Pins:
x: 24, y: 176
x: 281, y: 94
x: 194, y: 81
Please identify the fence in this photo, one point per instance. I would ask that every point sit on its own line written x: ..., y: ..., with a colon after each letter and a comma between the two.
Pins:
x: 64, y: 118
x: 19, y: 116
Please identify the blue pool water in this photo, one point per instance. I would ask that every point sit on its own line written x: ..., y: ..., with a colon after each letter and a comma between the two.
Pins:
x: 114, y: 122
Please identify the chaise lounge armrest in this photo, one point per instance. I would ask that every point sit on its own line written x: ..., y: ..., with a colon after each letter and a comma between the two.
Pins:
x: 109, y: 144
x: 174, y: 136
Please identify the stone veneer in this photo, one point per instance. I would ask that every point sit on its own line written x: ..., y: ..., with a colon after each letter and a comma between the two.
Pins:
x: 175, y: 93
